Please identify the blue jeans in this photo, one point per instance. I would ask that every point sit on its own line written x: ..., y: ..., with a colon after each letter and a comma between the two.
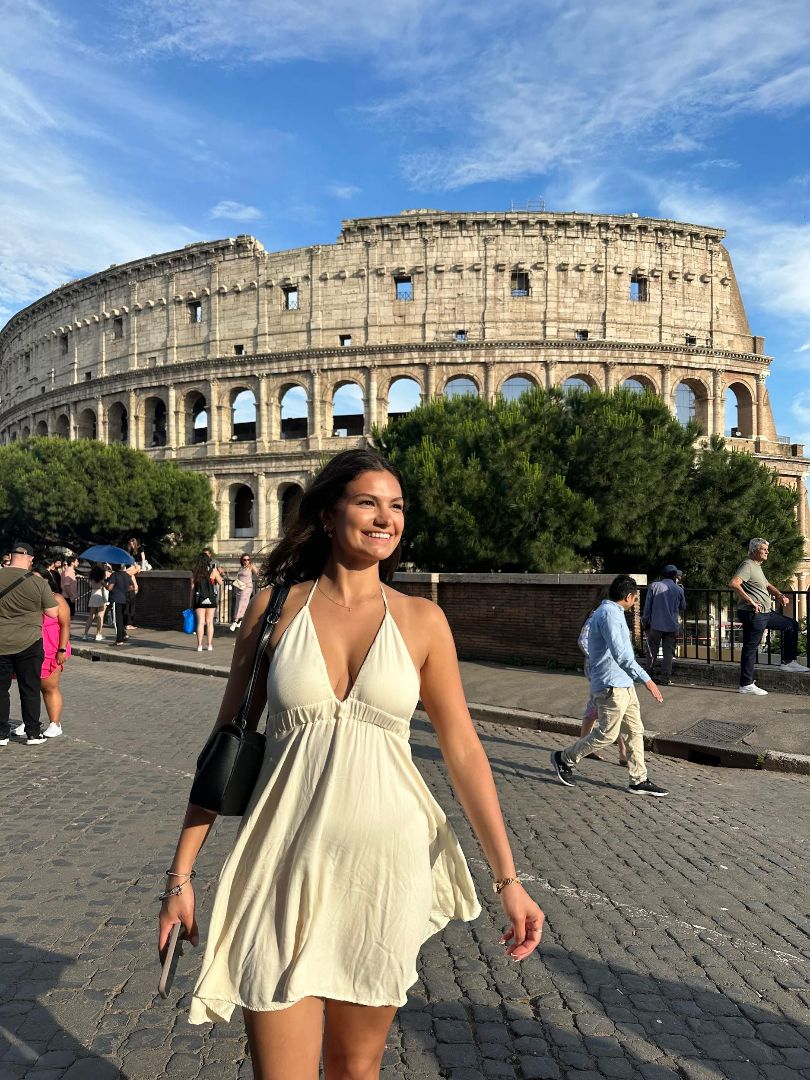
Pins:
x: 755, y: 623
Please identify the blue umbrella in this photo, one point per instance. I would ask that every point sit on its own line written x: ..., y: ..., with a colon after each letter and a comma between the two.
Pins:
x: 107, y: 553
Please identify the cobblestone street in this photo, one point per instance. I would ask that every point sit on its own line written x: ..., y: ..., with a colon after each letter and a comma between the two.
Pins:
x: 676, y: 943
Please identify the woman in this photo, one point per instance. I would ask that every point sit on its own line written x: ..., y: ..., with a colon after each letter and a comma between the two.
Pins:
x: 97, y: 604
x: 243, y: 583
x: 70, y: 589
x: 56, y: 644
x: 205, y: 578
x: 344, y: 863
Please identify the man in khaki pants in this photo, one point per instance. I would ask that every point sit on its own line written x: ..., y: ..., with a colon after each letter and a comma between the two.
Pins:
x: 613, y: 670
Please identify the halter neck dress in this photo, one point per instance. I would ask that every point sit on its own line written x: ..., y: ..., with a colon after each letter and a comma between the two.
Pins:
x: 345, y: 863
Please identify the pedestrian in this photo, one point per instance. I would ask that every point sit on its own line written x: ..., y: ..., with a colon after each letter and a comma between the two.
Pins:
x: 70, y: 588
x: 664, y: 606
x: 56, y: 646
x: 613, y: 670
x: 24, y: 598
x: 755, y: 614
x: 97, y: 603
x: 132, y: 595
x: 119, y: 584
x: 53, y: 574
x: 344, y: 863
x: 591, y: 713
x: 243, y: 583
x: 205, y: 580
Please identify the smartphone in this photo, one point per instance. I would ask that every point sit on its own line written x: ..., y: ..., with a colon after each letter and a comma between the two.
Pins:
x: 174, y: 950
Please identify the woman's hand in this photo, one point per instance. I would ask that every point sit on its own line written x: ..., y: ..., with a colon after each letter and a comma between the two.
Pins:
x: 526, y: 920
x: 178, y: 909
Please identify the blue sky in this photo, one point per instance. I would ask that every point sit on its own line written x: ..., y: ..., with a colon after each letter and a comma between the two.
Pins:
x: 130, y: 129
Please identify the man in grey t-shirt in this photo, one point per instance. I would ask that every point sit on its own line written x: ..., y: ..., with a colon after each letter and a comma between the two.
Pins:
x: 755, y: 592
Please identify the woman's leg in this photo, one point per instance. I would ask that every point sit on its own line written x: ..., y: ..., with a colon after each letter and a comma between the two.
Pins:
x: 354, y: 1040
x: 100, y: 618
x: 199, y: 615
x: 286, y: 1045
x: 52, y: 696
x: 209, y: 626
x: 91, y: 619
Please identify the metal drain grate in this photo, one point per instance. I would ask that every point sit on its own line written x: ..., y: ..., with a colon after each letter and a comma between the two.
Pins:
x: 717, y: 731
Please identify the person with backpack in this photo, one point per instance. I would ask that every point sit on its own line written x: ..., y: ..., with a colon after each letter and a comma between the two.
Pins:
x: 24, y: 598
x: 205, y: 579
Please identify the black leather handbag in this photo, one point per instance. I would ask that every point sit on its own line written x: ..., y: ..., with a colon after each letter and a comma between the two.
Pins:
x: 230, y: 762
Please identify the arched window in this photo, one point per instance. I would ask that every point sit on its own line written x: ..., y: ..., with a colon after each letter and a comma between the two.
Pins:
x: 155, y: 422
x: 243, y: 416
x: 685, y: 403
x: 739, y: 411
x: 26, y: 432
x: 63, y: 426
x: 196, y: 415
x: 117, y: 423
x: 516, y: 386
x: 41, y: 428
x: 460, y: 386
x: 347, y: 410
x: 294, y: 413
x: 404, y: 394
x: 243, y: 523
x: 576, y: 383
x: 634, y: 385
x: 87, y: 427
x: 288, y: 501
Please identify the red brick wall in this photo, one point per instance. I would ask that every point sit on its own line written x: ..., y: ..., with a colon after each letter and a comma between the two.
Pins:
x: 514, y: 619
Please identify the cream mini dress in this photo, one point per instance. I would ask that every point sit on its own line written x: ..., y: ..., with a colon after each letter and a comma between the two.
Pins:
x: 344, y: 864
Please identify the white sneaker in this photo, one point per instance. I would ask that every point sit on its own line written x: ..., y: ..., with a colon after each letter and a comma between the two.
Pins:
x: 99, y: 637
x: 752, y: 688
x: 233, y: 627
x: 199, y: 648
x: 52, y: 730
x: 794, y: 665
x: 210, y: 648
x: 3, y: 742
x: 19, y: 731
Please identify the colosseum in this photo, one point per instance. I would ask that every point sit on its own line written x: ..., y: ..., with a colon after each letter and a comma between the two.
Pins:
x: 249, y: 365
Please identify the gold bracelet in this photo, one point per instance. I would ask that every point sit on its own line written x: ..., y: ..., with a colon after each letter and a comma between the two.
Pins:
x: 500, y: 885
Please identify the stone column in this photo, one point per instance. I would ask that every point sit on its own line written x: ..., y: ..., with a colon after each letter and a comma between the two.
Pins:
x: 371, y: 398
x: 609, y: 367
x: 262, y: 534
x: 224, y: 505
x: 101, y: 422
x: 72, y: 420
x: 134, y: 421
x: 760, y: 406
x: 213, y: 311
x: 489, y: 380
x: 315, y: 418
x: 172, y: 438
x: 551, y: 374
x: 262, y: 413
x: 801, y: 513
x: 213, y: 412
x: 717, y: 426
x: 666, y: 386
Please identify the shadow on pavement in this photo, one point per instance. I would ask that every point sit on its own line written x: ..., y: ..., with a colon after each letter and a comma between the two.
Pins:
x: 31, y: 1039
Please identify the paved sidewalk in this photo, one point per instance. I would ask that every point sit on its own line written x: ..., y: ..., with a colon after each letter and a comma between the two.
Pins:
x: 551, y: 700
x: 676, y: 945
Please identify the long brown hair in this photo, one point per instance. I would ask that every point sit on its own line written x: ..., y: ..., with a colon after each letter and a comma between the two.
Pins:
x: 301, y: 555
x: 202, y: 568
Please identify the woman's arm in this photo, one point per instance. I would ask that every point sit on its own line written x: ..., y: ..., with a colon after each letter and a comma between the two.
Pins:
x: 63, y: 615
x: 197, y: 822
x: 470, y: 773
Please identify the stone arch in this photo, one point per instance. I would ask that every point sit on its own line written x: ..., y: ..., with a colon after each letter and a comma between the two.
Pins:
x: 516, y: 385
x: 117, y: 423
x: 461, y: 386
x: 691, y: 399
x: 348, y: 409
x: 87, y: 426
x: 62, y: 426
x: 196, y: 417
x: 243, y: 414
x: 41, y: 428
x: 242, y: 502
x: 289, y: 498
x: 581, y: 381
x: 639, y: 384
x: 26, y: 432
x: 404, y: 393
x: 155, y: 416
x: 739, y: 411
x: 294, y: 404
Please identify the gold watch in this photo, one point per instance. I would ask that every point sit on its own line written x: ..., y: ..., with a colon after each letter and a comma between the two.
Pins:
x: 499, y: 886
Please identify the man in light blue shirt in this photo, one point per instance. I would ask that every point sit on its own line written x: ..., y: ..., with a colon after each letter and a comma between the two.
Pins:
x: 664, y: 605
x: 613, y: 671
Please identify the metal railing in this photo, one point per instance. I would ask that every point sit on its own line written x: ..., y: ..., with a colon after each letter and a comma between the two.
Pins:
x: 711, y: 630
x: 227, y: 599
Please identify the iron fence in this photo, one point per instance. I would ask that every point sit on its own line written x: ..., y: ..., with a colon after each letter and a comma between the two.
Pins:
x: 227, y: 599
x: 712, y: 631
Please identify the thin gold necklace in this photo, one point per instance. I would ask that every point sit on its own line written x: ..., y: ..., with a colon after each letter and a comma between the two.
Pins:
x: 346, y: 607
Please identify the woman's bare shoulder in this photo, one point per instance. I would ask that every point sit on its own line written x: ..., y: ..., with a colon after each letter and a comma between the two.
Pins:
x: 417, y: 611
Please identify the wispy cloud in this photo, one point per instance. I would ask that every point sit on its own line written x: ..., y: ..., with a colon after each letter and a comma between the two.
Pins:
x: 343, y: 191
x: 800, y: 410
x: 228, y: 210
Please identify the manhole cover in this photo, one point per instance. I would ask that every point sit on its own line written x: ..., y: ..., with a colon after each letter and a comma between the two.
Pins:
x: 717, y: 731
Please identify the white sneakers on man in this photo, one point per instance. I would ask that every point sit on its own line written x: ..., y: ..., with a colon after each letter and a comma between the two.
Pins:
x: 752, y: 688
x: 794, y: 665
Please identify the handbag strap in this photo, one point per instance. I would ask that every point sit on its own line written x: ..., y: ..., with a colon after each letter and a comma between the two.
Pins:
x: 271, y: 617
x: 15, y: 583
